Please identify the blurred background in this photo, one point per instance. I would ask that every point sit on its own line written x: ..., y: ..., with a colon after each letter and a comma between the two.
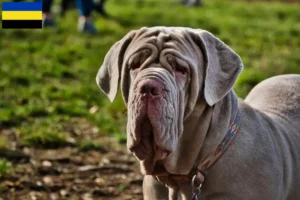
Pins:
x: 60, y: 137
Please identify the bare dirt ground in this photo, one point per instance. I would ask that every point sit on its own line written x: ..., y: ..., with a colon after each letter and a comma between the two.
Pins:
x: 70, y: 173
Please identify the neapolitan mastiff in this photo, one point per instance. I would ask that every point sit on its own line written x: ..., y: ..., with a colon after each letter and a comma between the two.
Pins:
x: 183, y: 114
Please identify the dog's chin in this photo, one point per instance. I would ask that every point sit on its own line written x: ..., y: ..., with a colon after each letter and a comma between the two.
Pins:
x: 148, y: 153
x: 148, y: 164
x: 146, y: 150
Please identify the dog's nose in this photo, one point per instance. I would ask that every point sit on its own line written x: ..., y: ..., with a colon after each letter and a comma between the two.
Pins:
x: 151, y: 87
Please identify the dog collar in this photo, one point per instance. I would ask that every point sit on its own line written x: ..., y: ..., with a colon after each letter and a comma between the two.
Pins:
x: 197, y: 176
x: 211, y: 159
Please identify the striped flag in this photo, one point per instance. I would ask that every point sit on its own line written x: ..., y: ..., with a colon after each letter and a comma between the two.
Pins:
x: 22, y: 15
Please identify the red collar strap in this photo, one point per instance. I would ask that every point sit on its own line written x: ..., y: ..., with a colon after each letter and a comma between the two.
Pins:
x: 220, y: 150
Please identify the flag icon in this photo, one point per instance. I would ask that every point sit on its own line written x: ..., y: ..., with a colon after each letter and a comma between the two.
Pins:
x: 22, y: 15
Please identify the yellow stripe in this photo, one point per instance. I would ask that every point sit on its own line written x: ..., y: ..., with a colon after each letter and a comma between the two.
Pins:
x: 22, y: 15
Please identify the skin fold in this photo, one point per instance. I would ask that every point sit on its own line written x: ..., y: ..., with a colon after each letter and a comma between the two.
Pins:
x: 177, y: 86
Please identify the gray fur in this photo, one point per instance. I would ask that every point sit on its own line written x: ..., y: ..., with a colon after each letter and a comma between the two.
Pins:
x: 193, y: 113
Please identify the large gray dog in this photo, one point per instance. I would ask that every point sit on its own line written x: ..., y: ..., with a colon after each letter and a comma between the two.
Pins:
x: 177, y: 85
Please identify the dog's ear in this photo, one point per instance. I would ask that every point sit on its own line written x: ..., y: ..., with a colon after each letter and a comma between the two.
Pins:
x: 109, y: 74
x: 222, y: 66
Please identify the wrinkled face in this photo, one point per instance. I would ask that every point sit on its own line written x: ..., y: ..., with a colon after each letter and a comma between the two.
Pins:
x: 156, y: 101
x: 163, y: 73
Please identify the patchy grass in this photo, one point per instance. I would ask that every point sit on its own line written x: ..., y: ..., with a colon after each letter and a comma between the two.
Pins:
x: 45, y: 139
x: 47, y: 77
x: 5, y: 168
x: 283, y: 1
x: 3, y: 143
x: 43, y: 132
x: 86, y: 145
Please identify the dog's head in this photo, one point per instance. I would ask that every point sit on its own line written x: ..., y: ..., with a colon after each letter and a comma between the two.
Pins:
x: 162, y: 73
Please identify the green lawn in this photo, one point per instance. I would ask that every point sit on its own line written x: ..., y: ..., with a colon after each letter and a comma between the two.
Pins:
x: 47, y: 77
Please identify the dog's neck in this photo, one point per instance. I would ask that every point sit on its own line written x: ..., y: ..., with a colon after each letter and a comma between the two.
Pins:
x: 204, y: 129
x: 222, y: 114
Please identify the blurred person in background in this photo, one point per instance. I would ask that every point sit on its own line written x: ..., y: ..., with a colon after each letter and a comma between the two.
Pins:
x: 191, y: 2
x: 85, y: 8
x: 98, y: 6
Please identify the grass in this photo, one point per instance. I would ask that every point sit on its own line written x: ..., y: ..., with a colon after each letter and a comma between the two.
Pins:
x: 3, y: 143
x: 86, y: 145
x: 47, y: 77
x: 43, y: 132
x: 5, y: 168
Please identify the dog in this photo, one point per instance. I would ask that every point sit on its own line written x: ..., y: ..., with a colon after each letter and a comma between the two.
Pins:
x: 177, y: 84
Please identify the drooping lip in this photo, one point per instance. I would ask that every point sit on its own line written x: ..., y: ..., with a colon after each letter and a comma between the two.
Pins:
x: 145, y: 144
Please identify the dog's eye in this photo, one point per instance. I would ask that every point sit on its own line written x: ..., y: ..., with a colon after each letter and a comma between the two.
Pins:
x: 177, y: 64
x: 134, y: 63
x: 180, y: 69
x: 135, y: 66
x: 138, y: 59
